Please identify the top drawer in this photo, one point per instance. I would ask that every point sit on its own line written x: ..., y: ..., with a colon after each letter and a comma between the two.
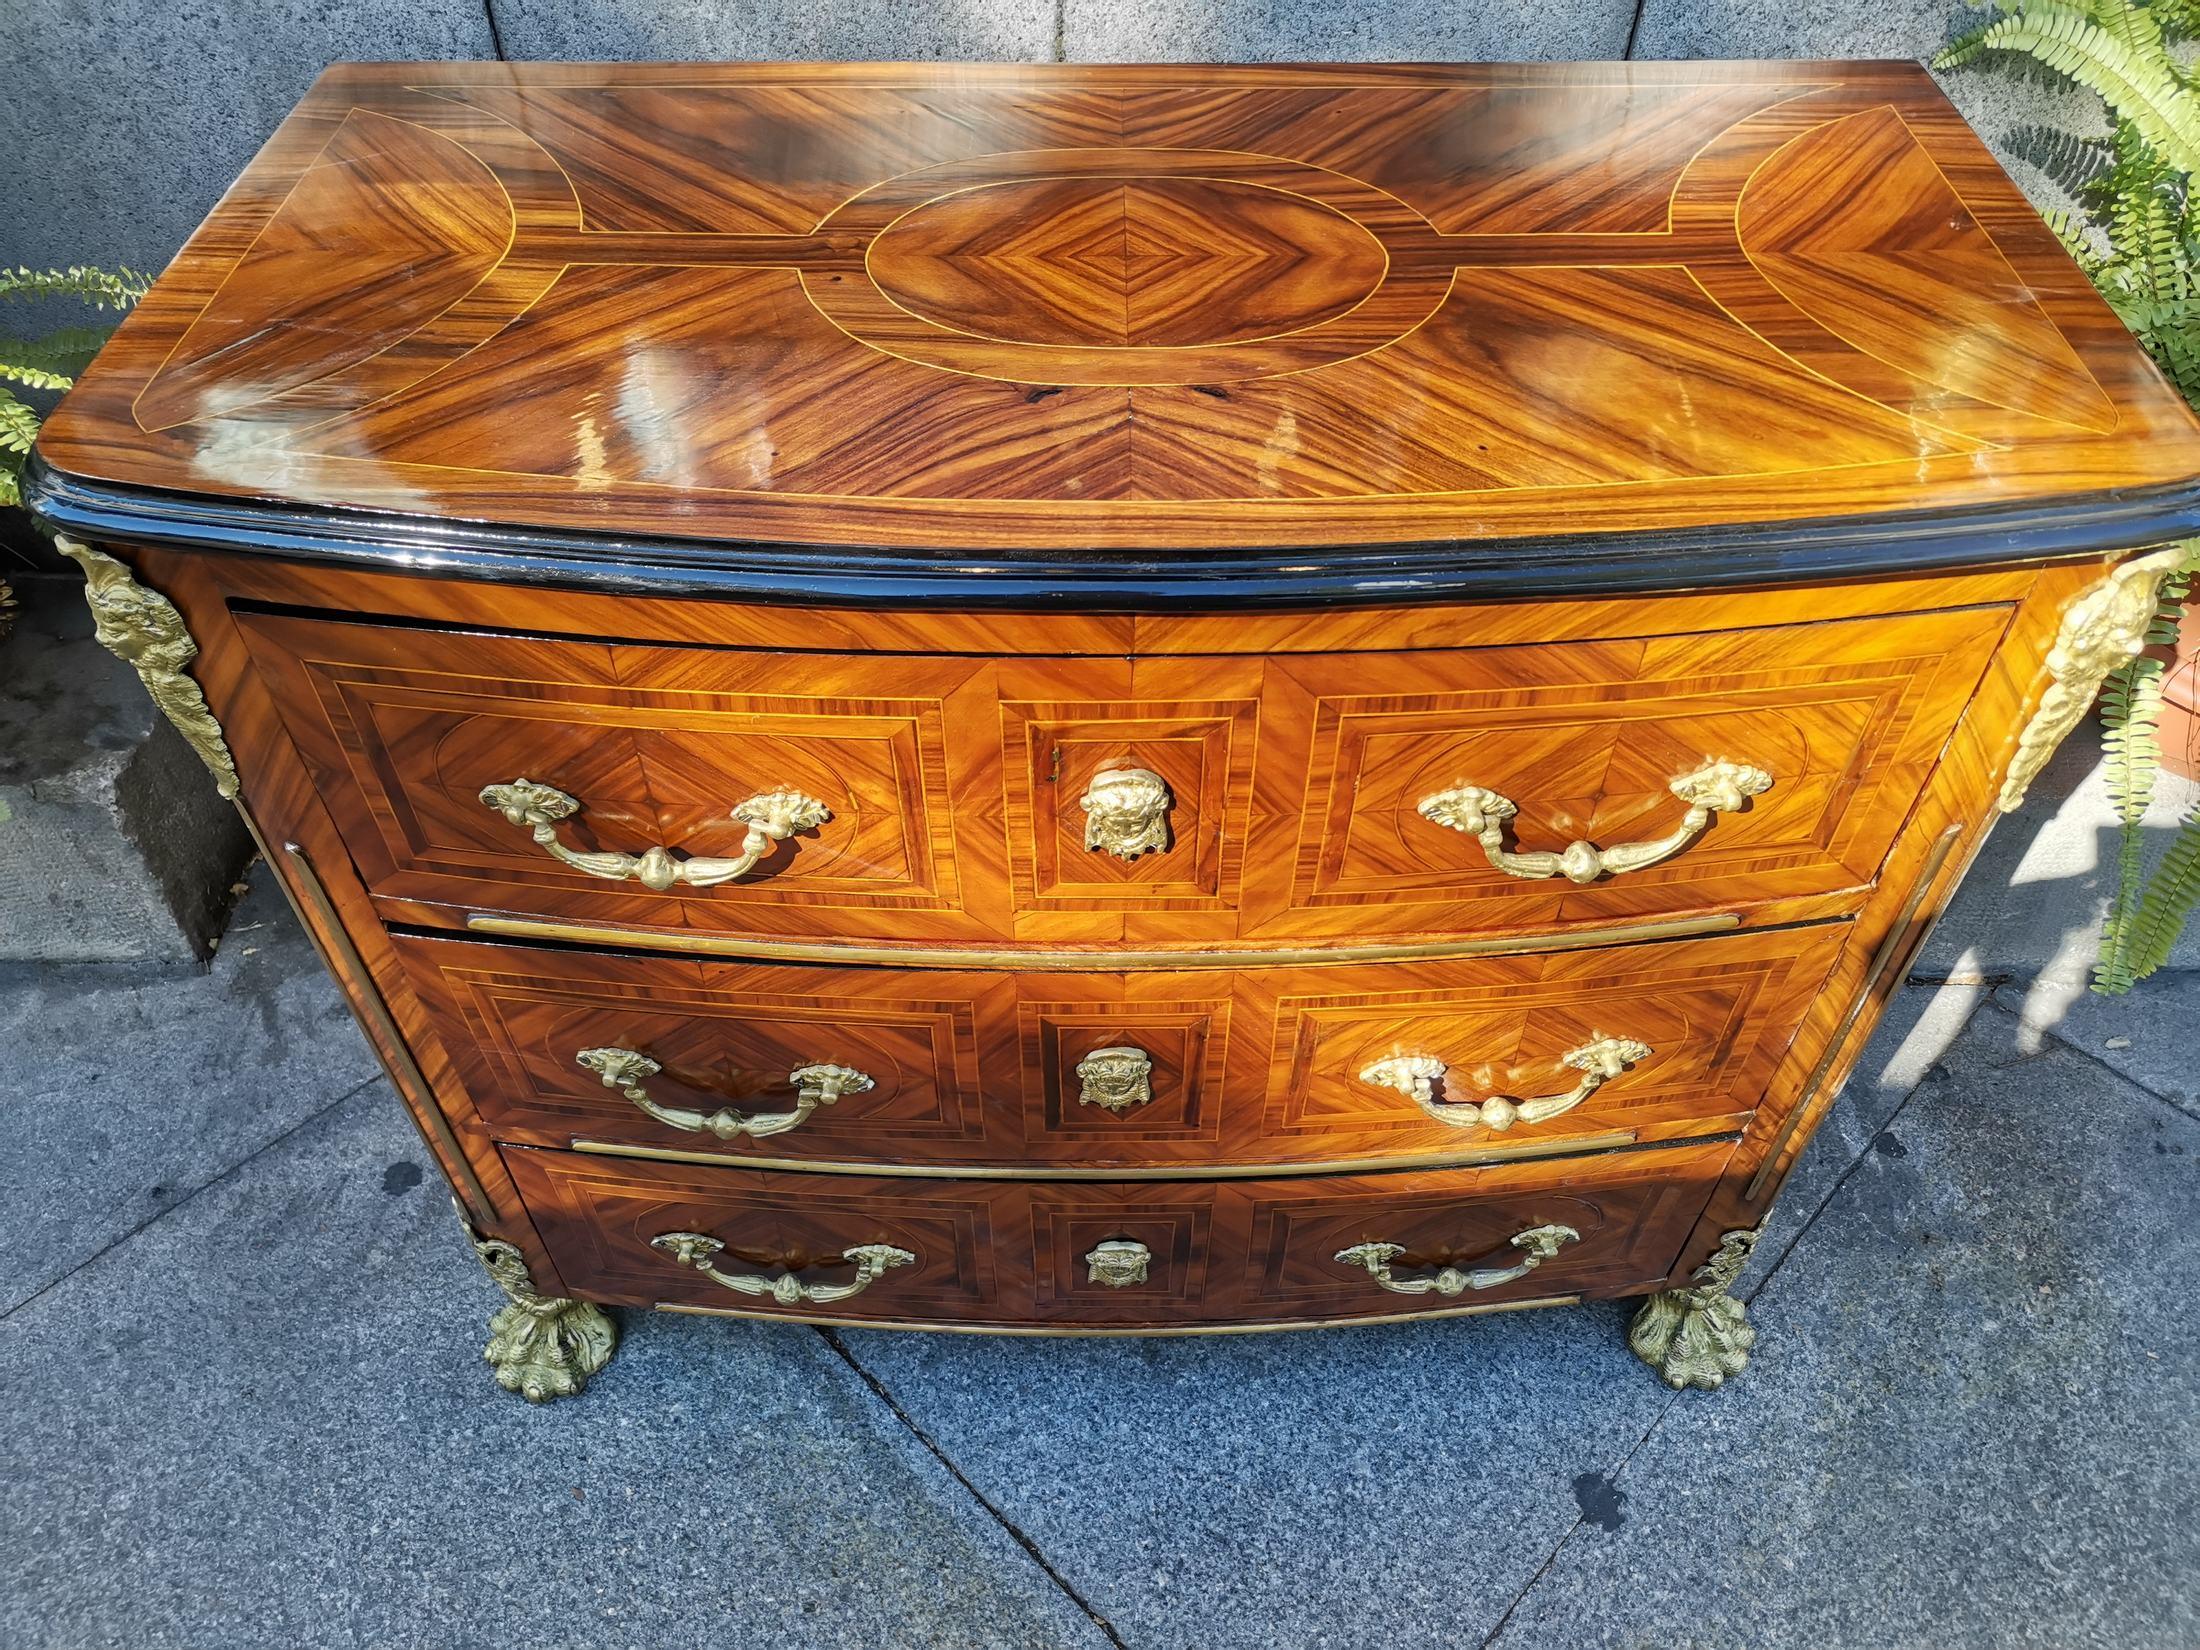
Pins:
x: 1311, y: 796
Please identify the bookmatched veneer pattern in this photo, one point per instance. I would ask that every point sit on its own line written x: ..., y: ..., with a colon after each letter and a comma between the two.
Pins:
x: 1052, y: 309
x: 1009, y: 1253
x: 1248, y: 1066
x: 957, y: 789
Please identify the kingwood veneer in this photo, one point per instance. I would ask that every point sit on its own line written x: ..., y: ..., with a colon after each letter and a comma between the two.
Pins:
x: 1117, y: 700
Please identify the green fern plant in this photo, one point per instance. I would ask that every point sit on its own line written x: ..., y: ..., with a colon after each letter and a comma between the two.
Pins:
x: 50, y: 364
x: 2136, y: 237
x: 2118, y: 48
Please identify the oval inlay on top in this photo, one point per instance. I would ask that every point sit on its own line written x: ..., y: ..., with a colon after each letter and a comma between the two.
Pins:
x: 1101, y: 262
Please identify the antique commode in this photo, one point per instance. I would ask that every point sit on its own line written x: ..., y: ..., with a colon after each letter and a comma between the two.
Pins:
x: 1120, y: 699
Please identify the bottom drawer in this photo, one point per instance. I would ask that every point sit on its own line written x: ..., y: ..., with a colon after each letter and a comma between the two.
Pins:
x: 1113, y: 1255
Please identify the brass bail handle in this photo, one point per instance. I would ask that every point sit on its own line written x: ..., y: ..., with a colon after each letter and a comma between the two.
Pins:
x: 700, y: 1251
x: 1535, y: 1246
x: 627, y: 1069
x: 771, y: 817
x: 1416, y: 1076
x: 1715, y: 788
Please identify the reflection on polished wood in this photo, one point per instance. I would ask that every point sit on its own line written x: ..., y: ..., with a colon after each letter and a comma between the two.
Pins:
x: 1050, y: 307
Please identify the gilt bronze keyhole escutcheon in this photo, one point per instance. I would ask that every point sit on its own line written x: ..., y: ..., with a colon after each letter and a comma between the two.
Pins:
x: 1127, y: 812
x: 1116, y: 1078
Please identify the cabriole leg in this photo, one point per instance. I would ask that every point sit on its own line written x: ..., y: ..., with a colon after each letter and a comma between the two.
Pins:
x: 541, y: 1346
x: 1699, y: 1336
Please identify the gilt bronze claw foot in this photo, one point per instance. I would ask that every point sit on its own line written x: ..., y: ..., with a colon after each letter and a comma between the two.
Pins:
x: 541, y: 1346
x: 1699, y: 1336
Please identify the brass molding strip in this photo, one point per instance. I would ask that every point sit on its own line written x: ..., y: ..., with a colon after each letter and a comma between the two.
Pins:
x: 1583, y: 1144
x: 1097, y: 961
x: 1882, y: 959
x: 1142, y: 1332
x: 344, y: 961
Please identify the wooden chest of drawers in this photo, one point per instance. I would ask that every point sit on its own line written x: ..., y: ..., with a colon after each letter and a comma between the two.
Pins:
x: 1111, y: 700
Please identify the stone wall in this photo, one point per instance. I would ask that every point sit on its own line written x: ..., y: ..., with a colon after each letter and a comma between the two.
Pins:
x: 123, y: 123
x: 114, y: 844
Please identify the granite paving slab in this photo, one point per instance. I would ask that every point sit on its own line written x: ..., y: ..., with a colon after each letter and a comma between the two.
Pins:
x: 2150, y: 1035
x: 1974, y: 1407
x: 1912, y: 1041
x: 114, y: 844
x: 1393, y: 1485
x: 127, y: 1088
x: 265, y: 1421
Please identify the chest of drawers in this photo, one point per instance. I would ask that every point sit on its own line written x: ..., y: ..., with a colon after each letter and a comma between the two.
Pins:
x: 1119, y: 700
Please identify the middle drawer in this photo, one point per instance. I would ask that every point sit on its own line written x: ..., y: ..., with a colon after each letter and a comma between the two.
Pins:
x: 1323, y: 1064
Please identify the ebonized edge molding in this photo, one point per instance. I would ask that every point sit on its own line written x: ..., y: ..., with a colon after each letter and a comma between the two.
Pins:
x: 1131, y: 580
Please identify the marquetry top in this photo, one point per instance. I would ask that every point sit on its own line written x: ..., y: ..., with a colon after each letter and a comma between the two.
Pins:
x: 1207, y: 312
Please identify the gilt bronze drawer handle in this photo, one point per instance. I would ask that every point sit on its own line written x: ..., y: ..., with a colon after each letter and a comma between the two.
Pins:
x: 872, y: 1262
x: 771, y: 818
x: 1714, y: 788
x: 1127, y: 812
x: 814, y: 1086
x: 1416, y: 1075
x: 1536, y: 1245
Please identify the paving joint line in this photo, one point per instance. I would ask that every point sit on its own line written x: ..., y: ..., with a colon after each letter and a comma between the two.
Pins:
x: 1550, y: 1558
x: 2086, y: 1054
x: 1619, y: 1468
x: 184, y: 1201
x: 1863, y: 1151
x: 879, y: 1390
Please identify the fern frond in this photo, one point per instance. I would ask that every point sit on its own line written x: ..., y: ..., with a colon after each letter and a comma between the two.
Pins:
x: 11, y: 485
x: 2131, y: 22
x: 2077, y: 239
x: 105, y: 289
x: 2178, y: 353
x: 2131, y: 710
x: 1967, y: 47
x: 2168, y: 904
x: 2179, y: 19
x: 2147, y: 229
x: 34, y: 378
x: 65, y: 353
x: 2143, y: 89
x: 18, y: 424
